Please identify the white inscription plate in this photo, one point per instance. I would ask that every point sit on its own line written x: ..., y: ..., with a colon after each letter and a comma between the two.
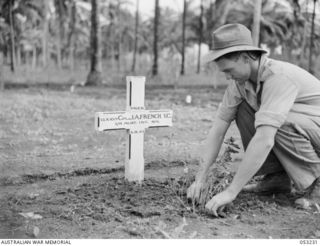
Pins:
x: 107, y: 121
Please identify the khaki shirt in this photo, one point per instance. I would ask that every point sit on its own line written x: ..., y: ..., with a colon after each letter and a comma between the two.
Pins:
x: 282, y: 88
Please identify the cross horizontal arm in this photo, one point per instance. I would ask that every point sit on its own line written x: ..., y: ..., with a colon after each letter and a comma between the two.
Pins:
x: 133, y: 119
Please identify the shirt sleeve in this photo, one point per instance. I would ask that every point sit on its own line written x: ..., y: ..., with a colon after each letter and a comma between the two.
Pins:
x: 228, y: 107
x: 278, y: 96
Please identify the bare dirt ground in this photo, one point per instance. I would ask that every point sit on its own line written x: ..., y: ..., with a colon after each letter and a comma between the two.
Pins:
x: 54, y: 165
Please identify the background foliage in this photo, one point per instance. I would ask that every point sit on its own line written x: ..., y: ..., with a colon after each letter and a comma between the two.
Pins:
x: 53, y: 36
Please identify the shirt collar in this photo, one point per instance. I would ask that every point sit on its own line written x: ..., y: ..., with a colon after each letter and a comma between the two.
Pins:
x: 262, y: 63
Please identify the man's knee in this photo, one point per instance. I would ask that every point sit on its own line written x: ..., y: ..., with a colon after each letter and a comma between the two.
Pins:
x: 298, y: 138
x: 297, y: 127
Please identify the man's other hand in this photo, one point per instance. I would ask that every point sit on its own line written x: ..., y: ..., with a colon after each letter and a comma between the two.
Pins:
x: 218, y: 202
x: 194, y: 191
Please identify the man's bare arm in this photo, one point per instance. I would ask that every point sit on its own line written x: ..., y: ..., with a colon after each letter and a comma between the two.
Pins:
x: 255, y: 155
x: 211, y: 147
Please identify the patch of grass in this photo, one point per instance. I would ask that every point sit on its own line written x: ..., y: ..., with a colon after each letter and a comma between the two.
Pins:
x: 218, y: 178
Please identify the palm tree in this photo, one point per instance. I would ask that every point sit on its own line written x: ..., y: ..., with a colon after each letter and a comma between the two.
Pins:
x: 310, y: 67
x: 95, y: 76
x: 200, y: 36
x: 135, y: 38
x: 119, y: 35
x: 256, y: 22
x: 45, y: 33
x: 155, y: 39
x: 4, y: 33
x: 276, y: 19
x: 183, y: 36
x: 71, y: 42
x: 23, y: 19
x: 216, y: 15
x: 119, y: 31
x: 61, y: 13
x: 8, y: 7
x: 12, y: 36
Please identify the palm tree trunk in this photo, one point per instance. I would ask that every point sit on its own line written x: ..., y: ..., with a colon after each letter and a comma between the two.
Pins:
x: 301, y: 56
x: 119, y: 39
x: 95, y: 76
x: 135, y: 39
x: 119, y: 53
x: 59, y: 64
x: 12, y: 42
x: 183, y: 36
x: 210, y: 24
x: 155, y: 40
x: 222, y: 9
x: 71, y: 36
x: 18, y: 52
x: 60, y: 34
x: 45, y: 35
x: 200, y: 36
x: 34, y: 56
x: 111, y: 35
x: 310, y: 66
x: 1, y: 71
x: 256, y: 22
x: 112, y: 50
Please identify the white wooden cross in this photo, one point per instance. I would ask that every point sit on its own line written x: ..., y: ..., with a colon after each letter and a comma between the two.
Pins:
x: 135, y: 120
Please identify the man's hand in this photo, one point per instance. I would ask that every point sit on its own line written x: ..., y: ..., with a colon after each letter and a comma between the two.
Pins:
x: 194, y: 191
x: 219, y: 201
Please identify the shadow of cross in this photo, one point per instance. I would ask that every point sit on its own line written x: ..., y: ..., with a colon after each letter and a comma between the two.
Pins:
x: 135, y: 120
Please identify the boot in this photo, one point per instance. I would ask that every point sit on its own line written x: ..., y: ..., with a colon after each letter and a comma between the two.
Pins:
x: 271, y: 184
x: 312, y: 196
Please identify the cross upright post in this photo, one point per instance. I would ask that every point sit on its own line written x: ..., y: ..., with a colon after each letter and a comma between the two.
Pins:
x: 134, y: 164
